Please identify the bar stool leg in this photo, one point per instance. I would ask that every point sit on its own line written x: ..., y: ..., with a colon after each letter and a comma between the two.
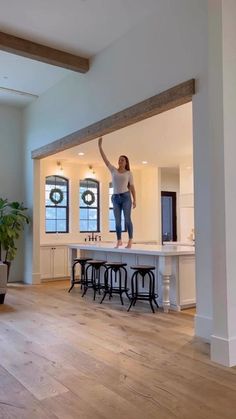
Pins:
x: 106, y: 290
x: 120, y: 287
x: 155, y: 301
x: 151, y: 286
x: 132, y: 298
x: 126, y: 292
x: 136, y: 288
x: 111, y: 282
x: 82, y: 275
x: 104, y: 295
x: 85, y: 281
x: 150, y: 302
x: 73, y: 276
x: 127, y: 295
x: 153, y: 289
x: 94, y: 283
x: 131, y: 303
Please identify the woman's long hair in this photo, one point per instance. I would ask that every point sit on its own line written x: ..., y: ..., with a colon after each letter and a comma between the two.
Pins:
x: 127, y: 165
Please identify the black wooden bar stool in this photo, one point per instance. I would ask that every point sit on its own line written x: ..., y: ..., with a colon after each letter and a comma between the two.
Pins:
x: 115, y: 280
x: 81, y: 280
x: 93, y: 277
x: 142, y: 276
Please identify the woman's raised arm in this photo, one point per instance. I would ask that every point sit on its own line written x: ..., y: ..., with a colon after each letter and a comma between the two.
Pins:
x: 104, y: 157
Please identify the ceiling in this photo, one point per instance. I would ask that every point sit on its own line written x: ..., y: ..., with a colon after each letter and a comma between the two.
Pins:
x: 164, y: 140
x: 25, y: 76
x: 83, y: 27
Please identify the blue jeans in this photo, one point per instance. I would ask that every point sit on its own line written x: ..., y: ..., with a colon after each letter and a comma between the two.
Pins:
x: 122, y: 202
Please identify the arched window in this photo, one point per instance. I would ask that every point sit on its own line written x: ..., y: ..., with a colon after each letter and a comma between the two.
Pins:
x: 112, y: 224
x: 57, y: 204
x: 89, y: 206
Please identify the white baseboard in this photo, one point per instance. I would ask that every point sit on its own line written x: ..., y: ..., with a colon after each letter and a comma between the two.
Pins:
x: 223, y: 351
x: 32, y: 278
x: 203, y: 327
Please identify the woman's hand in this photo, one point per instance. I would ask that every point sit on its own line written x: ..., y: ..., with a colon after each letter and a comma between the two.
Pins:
x: 134, y: 204
x: 104, y: 157
x: 100, y: 142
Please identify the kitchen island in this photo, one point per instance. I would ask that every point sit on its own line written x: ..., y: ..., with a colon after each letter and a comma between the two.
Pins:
x: 175, y: 268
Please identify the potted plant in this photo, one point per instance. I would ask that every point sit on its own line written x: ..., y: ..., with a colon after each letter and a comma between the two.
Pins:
x: 12, y: 222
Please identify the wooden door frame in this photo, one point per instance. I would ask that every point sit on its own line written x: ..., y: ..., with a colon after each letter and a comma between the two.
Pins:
x: 162, y: 102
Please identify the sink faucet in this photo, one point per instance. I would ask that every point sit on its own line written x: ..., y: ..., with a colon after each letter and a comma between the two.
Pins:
x: 93, y: 237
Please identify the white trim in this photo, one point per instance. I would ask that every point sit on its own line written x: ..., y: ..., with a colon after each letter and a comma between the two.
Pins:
x: 223, y: 351
x: 34, y: 278
x: 203, y: 327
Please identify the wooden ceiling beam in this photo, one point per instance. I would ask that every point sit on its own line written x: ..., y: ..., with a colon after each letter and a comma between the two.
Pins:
x: 164, y: 101
x: 38, y: 52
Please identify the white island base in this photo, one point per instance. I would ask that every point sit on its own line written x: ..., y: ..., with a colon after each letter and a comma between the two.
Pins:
x: 175, y: 268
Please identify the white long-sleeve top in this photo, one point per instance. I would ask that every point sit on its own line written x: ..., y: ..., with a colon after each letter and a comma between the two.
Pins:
x: 120, y: 181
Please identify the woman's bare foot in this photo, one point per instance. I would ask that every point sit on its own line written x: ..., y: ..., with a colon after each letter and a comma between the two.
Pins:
x: 129, y: 244
x: 119, y: 243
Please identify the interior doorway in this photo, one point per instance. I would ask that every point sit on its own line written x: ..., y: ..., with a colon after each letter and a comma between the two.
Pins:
x: 168, y: 100
x: 168, y: 216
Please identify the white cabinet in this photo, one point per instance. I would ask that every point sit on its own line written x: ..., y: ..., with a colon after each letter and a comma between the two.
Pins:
x: 187, y: 290
x: 54, y: 262
x: 46, y: 262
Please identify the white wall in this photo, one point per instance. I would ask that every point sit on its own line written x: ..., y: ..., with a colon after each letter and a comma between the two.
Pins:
x: 165, y: 49
x: 186, y: 203
x: 148, y: 202
x: 11, y: 170
x: 222, y: 136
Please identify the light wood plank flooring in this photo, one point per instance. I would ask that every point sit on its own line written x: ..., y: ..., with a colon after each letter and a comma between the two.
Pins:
x: 65, y: 357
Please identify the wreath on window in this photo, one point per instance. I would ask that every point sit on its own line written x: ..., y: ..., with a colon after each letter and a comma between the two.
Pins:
x: 56, y: 196
x: 88, y: 197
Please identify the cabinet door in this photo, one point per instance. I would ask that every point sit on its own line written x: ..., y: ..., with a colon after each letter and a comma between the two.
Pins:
x: 187, y: 292
x: 60, y: 262
x: 46, y: 268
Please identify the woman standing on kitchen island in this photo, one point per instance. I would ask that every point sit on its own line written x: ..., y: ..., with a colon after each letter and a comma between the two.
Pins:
x: 123, y: 189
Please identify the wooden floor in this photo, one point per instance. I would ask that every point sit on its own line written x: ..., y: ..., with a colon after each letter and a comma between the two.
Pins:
x: 65, y: 357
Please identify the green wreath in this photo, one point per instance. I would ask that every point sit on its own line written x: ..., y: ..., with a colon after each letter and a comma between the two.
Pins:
x: 53, y: 196
x: 88, y: 197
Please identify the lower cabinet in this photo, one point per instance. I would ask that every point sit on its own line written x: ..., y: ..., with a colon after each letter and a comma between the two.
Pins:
x: 187, y: 289
x: 54, y: 262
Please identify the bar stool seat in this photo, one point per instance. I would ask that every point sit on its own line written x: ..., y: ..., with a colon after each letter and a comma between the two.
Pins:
x: 143, y: 273
x: 81, y: 280
x: 115, y: 280
x: 94, y: 279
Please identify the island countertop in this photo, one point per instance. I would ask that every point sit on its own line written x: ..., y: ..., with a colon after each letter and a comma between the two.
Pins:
x: 175, y: 267
x: 138, y: 249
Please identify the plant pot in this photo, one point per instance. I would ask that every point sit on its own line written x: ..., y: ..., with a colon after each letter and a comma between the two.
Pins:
x: 2, y: 298
x: 8, y: 268
x: 3, y: 282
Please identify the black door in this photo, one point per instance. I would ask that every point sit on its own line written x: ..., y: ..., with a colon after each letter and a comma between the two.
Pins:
x: 168, y: 216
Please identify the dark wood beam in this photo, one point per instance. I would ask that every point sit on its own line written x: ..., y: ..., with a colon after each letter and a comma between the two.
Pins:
x: 38, y: 52
x: 162, y: 102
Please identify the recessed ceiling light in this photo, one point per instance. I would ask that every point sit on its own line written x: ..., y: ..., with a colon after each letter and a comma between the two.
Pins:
x: 80, y: 153
x: 144, y: 162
